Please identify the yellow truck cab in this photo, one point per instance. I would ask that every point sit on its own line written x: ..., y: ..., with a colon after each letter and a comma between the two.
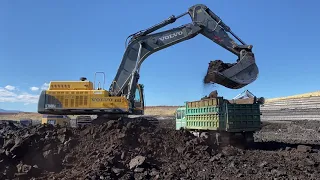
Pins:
x: 61, y: 120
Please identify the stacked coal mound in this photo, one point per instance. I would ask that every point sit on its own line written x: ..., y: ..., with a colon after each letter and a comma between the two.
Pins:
x: 136, y: 149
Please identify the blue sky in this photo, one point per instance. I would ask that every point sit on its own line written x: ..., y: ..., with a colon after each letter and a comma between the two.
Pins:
x: 42, y: 41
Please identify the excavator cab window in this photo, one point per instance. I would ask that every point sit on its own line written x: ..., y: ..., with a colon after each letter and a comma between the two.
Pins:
x: 139, y: 100
x: 137, y: 95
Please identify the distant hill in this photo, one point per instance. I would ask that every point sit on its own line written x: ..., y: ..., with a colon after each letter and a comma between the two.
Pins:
x: 9, y: 111
x: 297, y: 96
x: 160, y: 110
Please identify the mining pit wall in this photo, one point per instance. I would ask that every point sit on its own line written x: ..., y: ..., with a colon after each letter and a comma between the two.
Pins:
x: 302, y: 107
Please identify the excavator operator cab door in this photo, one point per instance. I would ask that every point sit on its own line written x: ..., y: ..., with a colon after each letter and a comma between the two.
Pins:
x: 139, y: 100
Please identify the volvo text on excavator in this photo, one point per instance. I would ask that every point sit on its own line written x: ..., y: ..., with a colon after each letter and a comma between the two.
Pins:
x: 125, y: 95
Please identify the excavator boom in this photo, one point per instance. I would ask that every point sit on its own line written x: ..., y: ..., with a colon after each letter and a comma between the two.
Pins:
x: 205, y: 22
x: 125, y: 95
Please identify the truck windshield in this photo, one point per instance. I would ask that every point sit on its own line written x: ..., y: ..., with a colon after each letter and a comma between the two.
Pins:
x: 178, y: 116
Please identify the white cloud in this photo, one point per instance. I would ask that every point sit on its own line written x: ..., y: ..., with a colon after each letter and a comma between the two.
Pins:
x: 45, y: 86
x: 6, y: 93
x: 10, y: 88
x: 11, y: 93
x: 9, y: 96
x: 34, y: 88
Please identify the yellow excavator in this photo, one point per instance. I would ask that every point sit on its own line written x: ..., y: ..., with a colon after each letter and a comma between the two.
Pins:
x: 125, y: 95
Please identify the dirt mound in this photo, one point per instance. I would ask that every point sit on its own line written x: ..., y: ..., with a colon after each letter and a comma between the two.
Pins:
x: 25, y: 150
x: 213, y: 94
x: 136, y: 149
x: 113, y: 150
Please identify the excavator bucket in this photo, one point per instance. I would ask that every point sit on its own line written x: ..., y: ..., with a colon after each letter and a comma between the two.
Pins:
x: 233, y: 76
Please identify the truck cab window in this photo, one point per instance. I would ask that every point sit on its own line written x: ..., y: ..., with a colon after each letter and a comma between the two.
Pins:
x: 53, y: 122
x: 178, y: 114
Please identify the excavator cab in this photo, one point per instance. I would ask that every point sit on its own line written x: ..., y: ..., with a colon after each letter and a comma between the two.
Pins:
x: 139, y: 100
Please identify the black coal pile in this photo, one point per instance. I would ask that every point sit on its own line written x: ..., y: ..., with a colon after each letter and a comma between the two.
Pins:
x: 27, y: 152
x: 138, y: 150
x: 133, y: 150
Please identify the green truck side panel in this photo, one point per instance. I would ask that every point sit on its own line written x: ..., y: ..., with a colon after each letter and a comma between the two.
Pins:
x: 223, y: 117
x: 243, y: 117
x: 205, y: 121
x: 203, y: 110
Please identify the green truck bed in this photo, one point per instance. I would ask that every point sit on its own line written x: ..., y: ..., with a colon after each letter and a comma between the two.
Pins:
x: 219, y: 115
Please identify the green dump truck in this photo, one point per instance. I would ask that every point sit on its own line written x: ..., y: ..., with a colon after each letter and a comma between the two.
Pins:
x: 220, y: 119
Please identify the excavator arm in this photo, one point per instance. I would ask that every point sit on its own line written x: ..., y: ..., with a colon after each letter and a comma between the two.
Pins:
x: 205, y: 22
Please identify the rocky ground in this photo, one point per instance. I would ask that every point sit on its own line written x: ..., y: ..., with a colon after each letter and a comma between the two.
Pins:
x: 292, y: 132
x: 138, y: 150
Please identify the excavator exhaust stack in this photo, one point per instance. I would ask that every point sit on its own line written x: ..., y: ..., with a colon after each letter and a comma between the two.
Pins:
x: 233, y: 76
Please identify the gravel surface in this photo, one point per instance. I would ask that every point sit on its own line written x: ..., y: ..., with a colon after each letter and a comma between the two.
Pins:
x: 293, y: 132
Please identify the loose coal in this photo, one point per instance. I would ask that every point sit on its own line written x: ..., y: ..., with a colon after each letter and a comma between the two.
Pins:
x: 136, y: 149
x: 216, y: 65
